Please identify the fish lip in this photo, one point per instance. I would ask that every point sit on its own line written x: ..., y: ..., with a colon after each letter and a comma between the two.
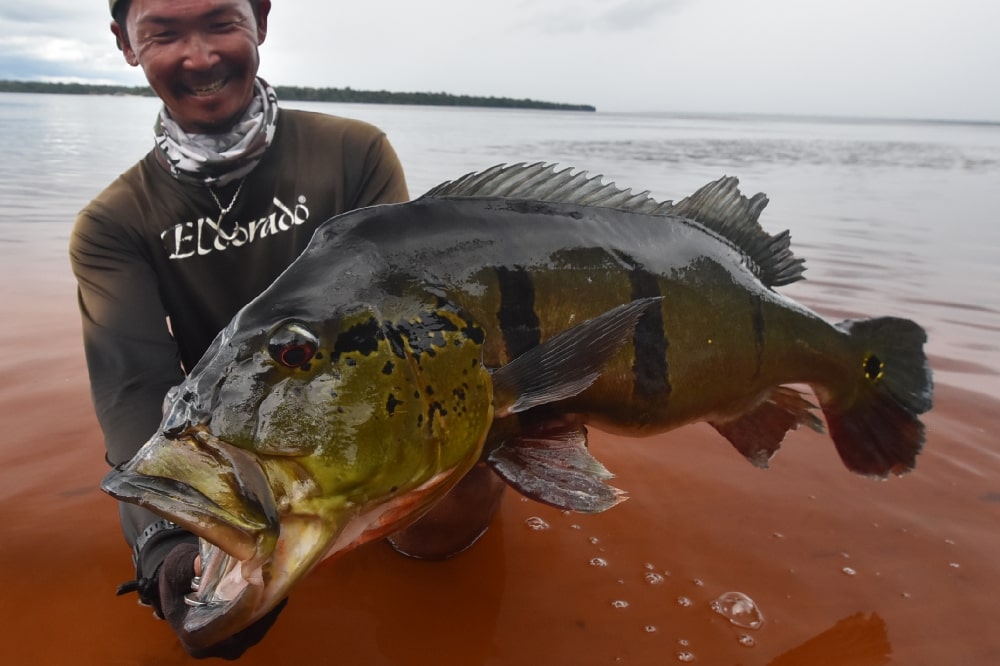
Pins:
x: 162, y: 478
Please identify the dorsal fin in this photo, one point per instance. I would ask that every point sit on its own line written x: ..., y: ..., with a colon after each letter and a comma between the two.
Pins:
x: 542, y: 182
x: 721, y: 207
x: 718, y: 206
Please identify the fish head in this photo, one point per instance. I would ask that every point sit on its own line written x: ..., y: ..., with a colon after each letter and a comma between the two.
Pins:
x: 302, y: 438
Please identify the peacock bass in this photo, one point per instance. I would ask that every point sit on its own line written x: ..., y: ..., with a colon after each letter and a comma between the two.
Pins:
x: 493, y: 319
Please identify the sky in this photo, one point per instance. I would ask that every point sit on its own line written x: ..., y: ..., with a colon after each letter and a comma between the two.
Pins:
x: 922, y: 59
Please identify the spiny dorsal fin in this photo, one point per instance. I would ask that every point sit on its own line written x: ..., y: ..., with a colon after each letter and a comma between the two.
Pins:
x: 721, y: 207
x: 541, y: 182
x: 718, y: 206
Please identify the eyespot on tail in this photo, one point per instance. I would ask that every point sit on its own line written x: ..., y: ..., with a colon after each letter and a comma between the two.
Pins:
x: 876, y: 427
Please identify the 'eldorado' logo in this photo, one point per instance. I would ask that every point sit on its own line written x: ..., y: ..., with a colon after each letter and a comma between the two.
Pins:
x: 204, y: 235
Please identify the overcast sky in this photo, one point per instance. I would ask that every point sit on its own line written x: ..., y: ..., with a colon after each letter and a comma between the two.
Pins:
x: 883, y: 58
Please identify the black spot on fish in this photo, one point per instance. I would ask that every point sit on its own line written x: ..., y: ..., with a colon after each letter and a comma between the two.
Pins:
x: 388, y: 368
x: 360, y: 338
x: 517, y: 317
x: 391, y: 403
x: 432, y: 409
x: 395, y: 339
x: 649, y: 369
x: 475, y: 333
x: 429, y: 390
x: 873, y: 367
x: 459, y: 393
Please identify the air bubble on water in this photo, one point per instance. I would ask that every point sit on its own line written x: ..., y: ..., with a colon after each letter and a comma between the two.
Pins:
x: 598, y: 562
x: 650, y: 629
x: 566, y: 512
x: 619, y: 603
x: 747, y: 640
x: 950, y: 542
x: 524, y: 500
x: 535, y: 523
x: 906, y: 595
x: 649, y: 566
x: 685, y: 656
x: 699, y: 582
x: 575, y: 527
x: 849, y: 571
x: 684, y: 601
x: 654, y: 578
x: 594, y: 540
x: 777, y: 535
x: 739, y: 609
x: 954, y: 565
x: 683, y: 641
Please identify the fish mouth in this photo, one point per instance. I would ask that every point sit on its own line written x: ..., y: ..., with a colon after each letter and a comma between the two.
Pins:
x: 253, y: 547
x: 220, y: 493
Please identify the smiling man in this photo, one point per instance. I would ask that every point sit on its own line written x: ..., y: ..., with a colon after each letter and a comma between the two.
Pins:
x: 228, y: 196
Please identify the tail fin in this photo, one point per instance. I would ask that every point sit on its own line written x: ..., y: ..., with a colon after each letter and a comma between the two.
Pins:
x: 875, y: 425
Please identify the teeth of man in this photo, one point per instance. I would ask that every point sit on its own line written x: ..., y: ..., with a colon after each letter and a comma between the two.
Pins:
x: 207, y: 89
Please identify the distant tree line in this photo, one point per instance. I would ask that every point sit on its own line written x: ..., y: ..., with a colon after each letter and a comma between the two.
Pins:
x: 298, y: 93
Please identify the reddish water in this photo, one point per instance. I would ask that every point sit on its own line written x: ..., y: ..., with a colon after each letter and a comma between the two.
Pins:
x: 845, y: 570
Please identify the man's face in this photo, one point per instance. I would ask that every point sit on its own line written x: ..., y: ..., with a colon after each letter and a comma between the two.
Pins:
x: 199, y: 56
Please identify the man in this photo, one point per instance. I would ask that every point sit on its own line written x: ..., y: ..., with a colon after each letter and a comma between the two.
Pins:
x: 169, y: 252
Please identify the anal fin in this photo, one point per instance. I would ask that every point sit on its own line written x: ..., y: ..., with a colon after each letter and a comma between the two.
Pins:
x: 757, y: 434
x: 550, y: 463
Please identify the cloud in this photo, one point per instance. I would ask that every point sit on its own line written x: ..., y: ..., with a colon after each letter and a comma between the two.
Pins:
x: 596, y: 17
x: 634, y: 14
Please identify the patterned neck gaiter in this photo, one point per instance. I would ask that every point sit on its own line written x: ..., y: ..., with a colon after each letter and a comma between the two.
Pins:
x: 219, y: 159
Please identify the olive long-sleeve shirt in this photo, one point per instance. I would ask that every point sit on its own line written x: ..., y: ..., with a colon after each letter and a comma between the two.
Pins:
x: 159, y: 276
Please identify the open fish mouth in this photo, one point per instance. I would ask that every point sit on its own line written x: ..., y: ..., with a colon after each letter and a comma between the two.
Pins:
x: 220, y: 493
x: 224, y: 594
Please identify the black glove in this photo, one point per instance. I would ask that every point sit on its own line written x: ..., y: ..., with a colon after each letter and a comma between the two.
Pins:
x: 176, y: 574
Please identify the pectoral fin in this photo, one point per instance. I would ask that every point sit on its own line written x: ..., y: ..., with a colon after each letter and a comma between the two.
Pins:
x: 567, y: 363
x: 551, y: 464
x: 757, y: 434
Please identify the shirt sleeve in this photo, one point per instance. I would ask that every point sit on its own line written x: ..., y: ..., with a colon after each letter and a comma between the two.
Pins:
x: 131, y: 357
x: 382, y: 179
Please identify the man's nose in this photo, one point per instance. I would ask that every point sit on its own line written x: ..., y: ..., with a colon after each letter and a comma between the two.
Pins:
x: 200, y: 52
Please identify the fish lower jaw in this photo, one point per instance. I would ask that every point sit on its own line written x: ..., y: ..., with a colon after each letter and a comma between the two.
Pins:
x: 224, y: 599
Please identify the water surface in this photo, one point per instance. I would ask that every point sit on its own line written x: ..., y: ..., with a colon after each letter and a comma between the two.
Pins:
x: 892, y: 219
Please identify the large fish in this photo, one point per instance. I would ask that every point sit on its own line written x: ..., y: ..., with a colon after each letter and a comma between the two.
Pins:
x: 493, y: 318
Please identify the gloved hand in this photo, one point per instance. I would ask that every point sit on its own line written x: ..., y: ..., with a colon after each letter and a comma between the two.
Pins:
x: 176, y: 574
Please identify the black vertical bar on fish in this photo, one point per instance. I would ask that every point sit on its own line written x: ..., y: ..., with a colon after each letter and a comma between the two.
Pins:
x: 517, y: 316
x: 649, y: 365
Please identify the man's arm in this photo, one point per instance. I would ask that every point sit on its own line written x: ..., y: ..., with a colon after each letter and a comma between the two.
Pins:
x: 132, y: 361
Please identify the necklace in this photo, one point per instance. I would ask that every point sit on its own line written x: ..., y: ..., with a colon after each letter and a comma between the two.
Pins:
x: 224, y: 210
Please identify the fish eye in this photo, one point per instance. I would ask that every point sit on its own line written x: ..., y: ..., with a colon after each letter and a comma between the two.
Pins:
x: 292, y: 345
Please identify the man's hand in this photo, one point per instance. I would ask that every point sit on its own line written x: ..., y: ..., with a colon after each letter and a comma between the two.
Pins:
x: 175, y: 582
